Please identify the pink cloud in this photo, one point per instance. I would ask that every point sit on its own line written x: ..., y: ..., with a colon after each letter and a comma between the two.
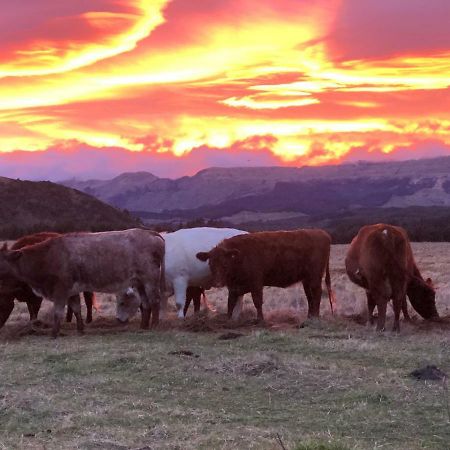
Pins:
x: 84, y: 162
x: 425, y: 149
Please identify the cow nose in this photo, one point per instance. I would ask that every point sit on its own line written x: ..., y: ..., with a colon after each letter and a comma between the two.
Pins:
x: 123, y: 322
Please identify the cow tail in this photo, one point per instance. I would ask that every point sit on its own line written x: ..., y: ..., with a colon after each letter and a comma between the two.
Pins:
x: 331, y: 295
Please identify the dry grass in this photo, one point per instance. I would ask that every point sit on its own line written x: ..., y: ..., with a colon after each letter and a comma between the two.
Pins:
x: 331, y: 385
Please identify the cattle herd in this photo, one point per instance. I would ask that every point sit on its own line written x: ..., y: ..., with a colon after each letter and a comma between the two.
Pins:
x: 143, y: 268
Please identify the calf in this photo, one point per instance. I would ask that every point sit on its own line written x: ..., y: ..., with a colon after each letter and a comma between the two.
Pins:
x: 61, y: 267
x: 247, y: 263
x: 381, y: 261
x: 11, y: 288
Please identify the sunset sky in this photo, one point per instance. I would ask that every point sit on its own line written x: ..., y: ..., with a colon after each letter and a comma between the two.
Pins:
x: 93, y: 88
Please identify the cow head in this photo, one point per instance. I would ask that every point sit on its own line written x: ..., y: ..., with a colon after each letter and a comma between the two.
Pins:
x: 128, y: 303
x: 422, y: 296
x: 222, y: 262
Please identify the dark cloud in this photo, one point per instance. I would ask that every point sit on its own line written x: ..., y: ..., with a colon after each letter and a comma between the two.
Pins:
x: 376, y: 29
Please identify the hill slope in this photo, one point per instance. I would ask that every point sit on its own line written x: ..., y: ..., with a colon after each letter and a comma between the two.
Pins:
x: 28, y: 206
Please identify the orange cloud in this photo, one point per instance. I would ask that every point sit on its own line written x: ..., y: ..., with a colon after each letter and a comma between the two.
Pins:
x: 172, y: 77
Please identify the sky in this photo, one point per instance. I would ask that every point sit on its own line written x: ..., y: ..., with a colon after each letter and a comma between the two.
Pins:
x: 93, y: 88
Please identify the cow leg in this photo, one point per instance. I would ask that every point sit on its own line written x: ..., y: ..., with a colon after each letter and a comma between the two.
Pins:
x: 74, y: 304
x: 34, y: 305
x: 371, y: 303
x: 187, y: 304
x: 398, y: 302
x: 313, y: 292
x: 179, y: 286
x: 238, y: 308
x: 145, y: 307
x: 89, y: 301
x: 154, y: 297
x: 316, y: 296
x: 197, y: 299
x: 69, y: 314
x: 405, y: 310
x: 381, y: 307
x: 232, y: 300
x: 58, y: 314
x: 6, y: 307
x: 257, y: 297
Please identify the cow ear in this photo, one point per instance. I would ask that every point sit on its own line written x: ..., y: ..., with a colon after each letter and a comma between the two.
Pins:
x: 202, y: 256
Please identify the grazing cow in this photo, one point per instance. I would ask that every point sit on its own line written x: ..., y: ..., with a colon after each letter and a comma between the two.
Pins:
x: 182, y: 267
x: 11, y: 288
x: 249, y: 262
x: 380, y: 260
x: 61, y: 267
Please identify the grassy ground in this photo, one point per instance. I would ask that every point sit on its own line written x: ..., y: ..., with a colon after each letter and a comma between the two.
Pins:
x: 331, y: 385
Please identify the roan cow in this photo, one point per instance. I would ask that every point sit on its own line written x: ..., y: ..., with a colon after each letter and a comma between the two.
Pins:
x: 182, y: 268
x: 249, y: 262
x: 380, y: 260
x: 63, y: 266
x: 11, y: 288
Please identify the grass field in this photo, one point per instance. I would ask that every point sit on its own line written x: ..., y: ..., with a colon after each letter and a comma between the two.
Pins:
x: 334, y: 384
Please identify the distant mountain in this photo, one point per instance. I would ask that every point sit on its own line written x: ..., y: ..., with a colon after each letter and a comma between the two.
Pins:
x: 29, y: 206
x: 225, y: 192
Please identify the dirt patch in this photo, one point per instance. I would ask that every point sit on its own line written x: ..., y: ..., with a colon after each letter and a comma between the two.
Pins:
x: 230, y: 335
x: 430, y: 372
x: 184, y: 353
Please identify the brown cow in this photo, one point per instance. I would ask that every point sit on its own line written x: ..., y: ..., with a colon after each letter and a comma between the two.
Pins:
x: 11, y: 288
x: 62, y: 267
x: 248, y: 262
x: 380, y: 260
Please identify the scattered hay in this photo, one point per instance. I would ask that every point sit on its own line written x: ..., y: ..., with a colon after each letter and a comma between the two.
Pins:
x: 238, y: 367
x: 429, y: 372
x: 199, y: 323
x: 259, y: 368
x: 19, y: 330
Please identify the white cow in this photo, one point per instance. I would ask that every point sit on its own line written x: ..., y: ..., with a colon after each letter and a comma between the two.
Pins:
x: 183, y: 268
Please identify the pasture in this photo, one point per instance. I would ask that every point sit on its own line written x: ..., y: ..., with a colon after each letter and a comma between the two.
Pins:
x: 205, y: 383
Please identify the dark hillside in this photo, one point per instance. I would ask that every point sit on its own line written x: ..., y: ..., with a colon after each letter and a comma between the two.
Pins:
x: 28, y: 206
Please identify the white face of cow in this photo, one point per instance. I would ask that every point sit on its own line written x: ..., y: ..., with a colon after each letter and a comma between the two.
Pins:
x: 128, y: 303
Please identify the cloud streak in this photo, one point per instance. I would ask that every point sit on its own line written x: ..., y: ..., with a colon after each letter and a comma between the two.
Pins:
x: 178, y: 85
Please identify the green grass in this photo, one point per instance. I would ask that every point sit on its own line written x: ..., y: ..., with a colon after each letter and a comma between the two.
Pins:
x: 331, y: 386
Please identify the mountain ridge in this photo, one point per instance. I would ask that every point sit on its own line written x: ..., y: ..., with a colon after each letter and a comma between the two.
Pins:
x: 423, y: 182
